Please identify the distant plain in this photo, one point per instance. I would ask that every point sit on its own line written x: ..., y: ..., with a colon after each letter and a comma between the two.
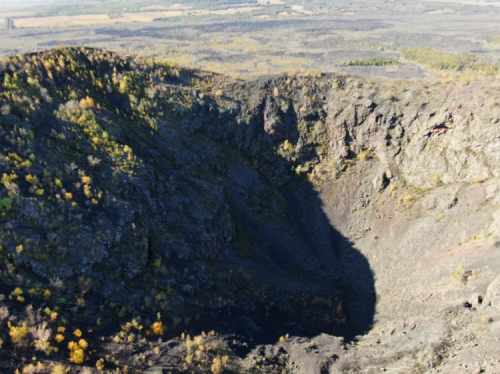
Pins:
x: 247, y: 38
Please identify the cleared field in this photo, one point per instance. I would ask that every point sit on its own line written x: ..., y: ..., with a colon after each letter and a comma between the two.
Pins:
x: 62, y: 21
x: 471, y: 2
x: 300, y: 9
x: 271, y: 2
x: 97, y: 19
x: 164, y: 7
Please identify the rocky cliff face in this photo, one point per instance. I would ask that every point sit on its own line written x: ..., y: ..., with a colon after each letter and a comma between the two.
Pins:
x: 141, y: 200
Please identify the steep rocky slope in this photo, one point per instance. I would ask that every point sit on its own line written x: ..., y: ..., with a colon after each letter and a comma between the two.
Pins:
x: 313, y: 223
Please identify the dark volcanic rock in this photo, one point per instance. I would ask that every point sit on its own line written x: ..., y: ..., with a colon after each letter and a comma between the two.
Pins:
x: 142, y: 200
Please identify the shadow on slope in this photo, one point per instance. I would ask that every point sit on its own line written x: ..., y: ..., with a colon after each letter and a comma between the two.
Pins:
x: 291, y: 271
x: 304, y: 261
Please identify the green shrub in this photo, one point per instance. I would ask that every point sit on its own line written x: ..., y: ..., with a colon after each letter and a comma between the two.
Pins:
x: 379, y: 61
x: 5, y: 204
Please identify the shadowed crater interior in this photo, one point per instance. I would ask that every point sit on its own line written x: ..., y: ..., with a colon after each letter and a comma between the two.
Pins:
x: 139, y: 193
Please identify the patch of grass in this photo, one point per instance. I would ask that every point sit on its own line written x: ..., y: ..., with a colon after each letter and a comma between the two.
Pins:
x: 362, y: 155
x: 461, y: 275
x: 486, y: 318
x: 462, y: 62
x: 494, y: 39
